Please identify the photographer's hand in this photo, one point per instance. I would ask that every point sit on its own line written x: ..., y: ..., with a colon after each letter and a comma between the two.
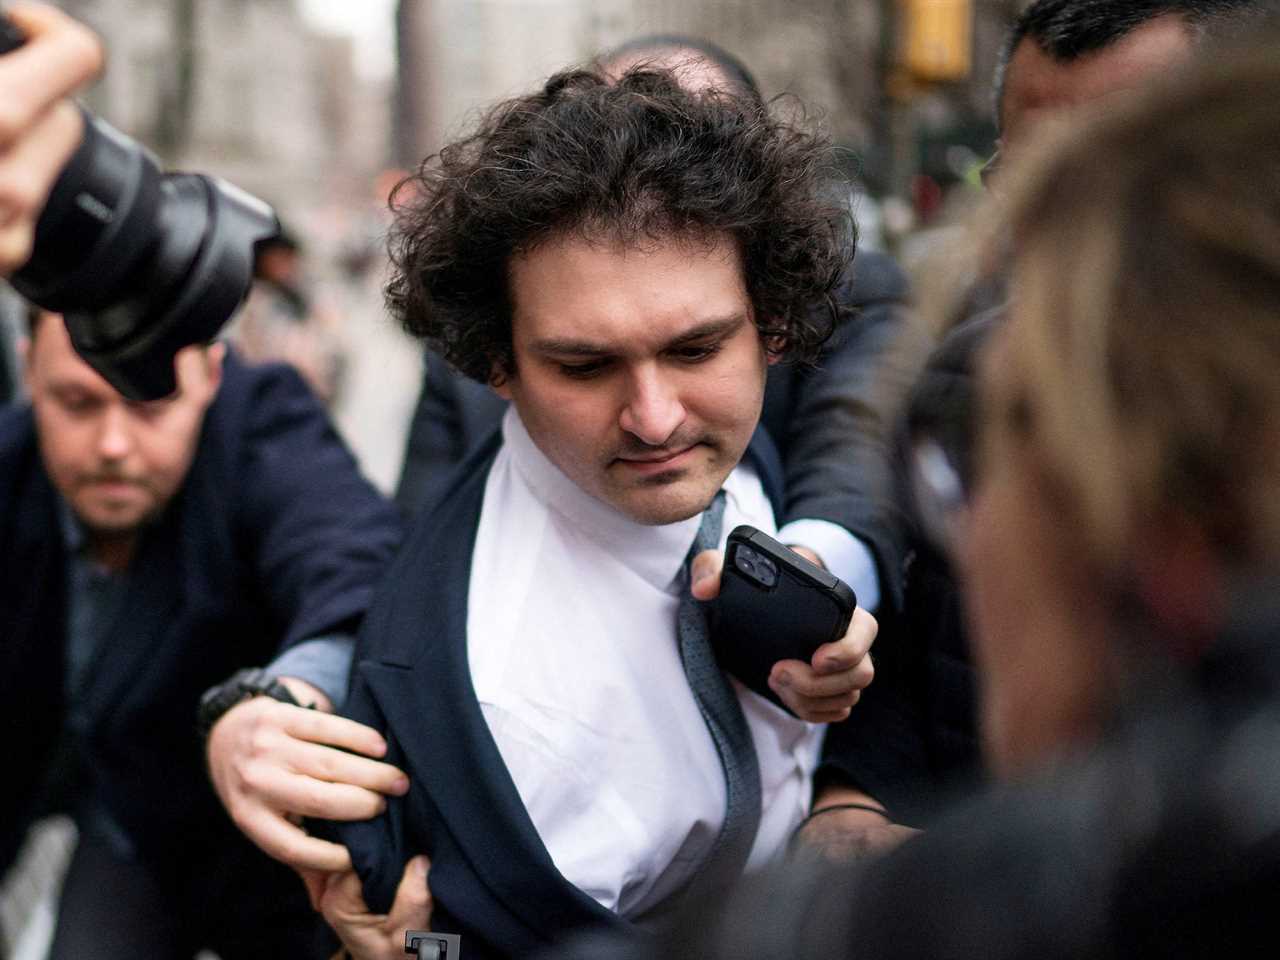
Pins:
x: 825, y: 689
x: 39, y: 127
x: 273, y: 763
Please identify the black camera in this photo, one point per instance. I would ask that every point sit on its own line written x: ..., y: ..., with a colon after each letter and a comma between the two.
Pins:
x: 141, y: 263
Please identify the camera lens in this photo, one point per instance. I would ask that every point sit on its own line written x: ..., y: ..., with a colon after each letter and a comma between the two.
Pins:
x: 758, y: 568
x: 141, y: 263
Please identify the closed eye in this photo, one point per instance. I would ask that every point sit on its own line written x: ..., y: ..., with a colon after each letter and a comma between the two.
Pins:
x: 583, y: 371
x: 697, y: 354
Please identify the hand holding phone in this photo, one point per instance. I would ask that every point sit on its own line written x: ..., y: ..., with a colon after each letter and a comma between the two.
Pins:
x: 773, y: 605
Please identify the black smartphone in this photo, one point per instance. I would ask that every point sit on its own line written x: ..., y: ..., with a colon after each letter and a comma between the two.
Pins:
x: 773, y: 605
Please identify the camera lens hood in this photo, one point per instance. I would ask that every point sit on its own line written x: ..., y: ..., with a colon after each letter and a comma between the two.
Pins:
x: 140, y: 263
x: 195, y: 277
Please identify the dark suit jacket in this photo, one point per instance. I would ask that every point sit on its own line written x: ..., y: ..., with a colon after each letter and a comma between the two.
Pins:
x: 273, y: 538
x: 831, y: 423
x: 491, y: 877
x: 912, y: 740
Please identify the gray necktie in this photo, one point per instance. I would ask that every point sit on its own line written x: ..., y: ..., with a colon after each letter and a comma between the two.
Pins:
x: 723, y: 715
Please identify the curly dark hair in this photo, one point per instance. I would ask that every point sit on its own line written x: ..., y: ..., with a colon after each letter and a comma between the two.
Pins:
x: 637, y: 159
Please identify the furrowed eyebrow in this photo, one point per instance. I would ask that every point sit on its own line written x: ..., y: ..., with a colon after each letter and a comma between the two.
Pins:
x: 568, y: 347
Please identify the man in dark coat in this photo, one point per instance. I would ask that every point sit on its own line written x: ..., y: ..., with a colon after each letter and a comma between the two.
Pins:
x: 532, y: 659
x: 150, y: 550
x: 827, y: 419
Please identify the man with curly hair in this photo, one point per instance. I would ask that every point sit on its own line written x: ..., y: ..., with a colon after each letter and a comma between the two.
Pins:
x: 623, y: 261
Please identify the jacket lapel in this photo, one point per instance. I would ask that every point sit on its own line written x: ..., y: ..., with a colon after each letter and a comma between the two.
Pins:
x: 422, y: 683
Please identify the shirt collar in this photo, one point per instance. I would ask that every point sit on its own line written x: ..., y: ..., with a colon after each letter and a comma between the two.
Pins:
x: 654, y: 553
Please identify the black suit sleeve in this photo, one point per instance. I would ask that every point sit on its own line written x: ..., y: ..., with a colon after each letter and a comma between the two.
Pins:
x: 320, y: 536
x: 836, y: 434
x: 377, y: 846
x: 912, y: 740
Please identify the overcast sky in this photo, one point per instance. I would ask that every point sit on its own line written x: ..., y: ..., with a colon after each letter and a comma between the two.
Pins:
x: 371, y: 22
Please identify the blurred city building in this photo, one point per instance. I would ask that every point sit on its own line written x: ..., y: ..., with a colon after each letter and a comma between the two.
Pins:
x: 248, y: 90
x: 839, y: 56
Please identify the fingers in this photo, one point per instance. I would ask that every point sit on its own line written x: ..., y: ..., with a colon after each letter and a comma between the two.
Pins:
x: 314, y: 881
x: 815, y: 709
x: 28, y: 170
x: 275, y: 786
x: 411, y: 909
x: 342, y: 902
x: 339, y: 767
x: 825, y: 690
x: 39, y: 129
x: 802, y: 680
x: 258, y: 760
x: 264, y: 774
x: 850, y: 649
x: 325, y: 728
x: 289, y: 843
x: 59, y: 56
x: 369, y: 935
x: 704, y: 574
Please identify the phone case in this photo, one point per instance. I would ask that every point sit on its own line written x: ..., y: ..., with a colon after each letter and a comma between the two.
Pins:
x: 760, y: 618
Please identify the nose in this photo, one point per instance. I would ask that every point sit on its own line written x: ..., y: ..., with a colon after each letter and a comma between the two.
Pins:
x: 652, y: 410
x: 115, y: 440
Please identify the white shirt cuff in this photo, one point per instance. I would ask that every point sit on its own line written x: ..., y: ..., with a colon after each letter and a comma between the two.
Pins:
x: 842, y: 553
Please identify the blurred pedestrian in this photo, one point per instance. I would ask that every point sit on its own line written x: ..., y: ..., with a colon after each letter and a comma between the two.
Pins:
x: 279, y: 321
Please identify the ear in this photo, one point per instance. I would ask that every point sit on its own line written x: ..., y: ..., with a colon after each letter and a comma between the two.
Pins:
x: 774, y: 348
x: 1180, y: 580
x: 500, y: 381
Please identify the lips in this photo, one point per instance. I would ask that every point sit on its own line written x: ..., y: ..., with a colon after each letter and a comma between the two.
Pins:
x: 657, y: 462
x: 114, y: 487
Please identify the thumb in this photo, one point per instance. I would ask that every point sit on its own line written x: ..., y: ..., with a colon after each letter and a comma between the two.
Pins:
x: 314, y: 881
x: 704, y: 574
x: 412, y: 907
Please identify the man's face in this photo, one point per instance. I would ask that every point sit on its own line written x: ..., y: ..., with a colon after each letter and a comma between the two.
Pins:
x: 116, y: 462
x: 1036, y: 85
x: 639, y: 371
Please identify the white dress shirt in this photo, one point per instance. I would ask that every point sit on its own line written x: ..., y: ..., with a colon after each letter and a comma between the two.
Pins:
x: 571, y: 637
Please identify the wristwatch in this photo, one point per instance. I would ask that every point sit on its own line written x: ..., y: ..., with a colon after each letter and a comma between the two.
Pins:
x: 243, y: 685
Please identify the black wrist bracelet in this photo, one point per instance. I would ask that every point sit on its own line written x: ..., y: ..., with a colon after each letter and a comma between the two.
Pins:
x: 841, y: 806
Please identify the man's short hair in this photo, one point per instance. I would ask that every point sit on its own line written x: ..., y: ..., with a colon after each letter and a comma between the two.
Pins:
x: 1069, y: 29
x: 639, y: 160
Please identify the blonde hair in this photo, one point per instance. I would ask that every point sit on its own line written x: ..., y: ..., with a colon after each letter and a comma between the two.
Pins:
x: 1144, y: 343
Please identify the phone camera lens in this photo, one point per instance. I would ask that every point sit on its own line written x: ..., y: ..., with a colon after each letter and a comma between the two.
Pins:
x: 759, y: 568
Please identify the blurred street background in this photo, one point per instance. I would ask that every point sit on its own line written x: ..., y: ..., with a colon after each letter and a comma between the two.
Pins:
x: 315, y: 104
